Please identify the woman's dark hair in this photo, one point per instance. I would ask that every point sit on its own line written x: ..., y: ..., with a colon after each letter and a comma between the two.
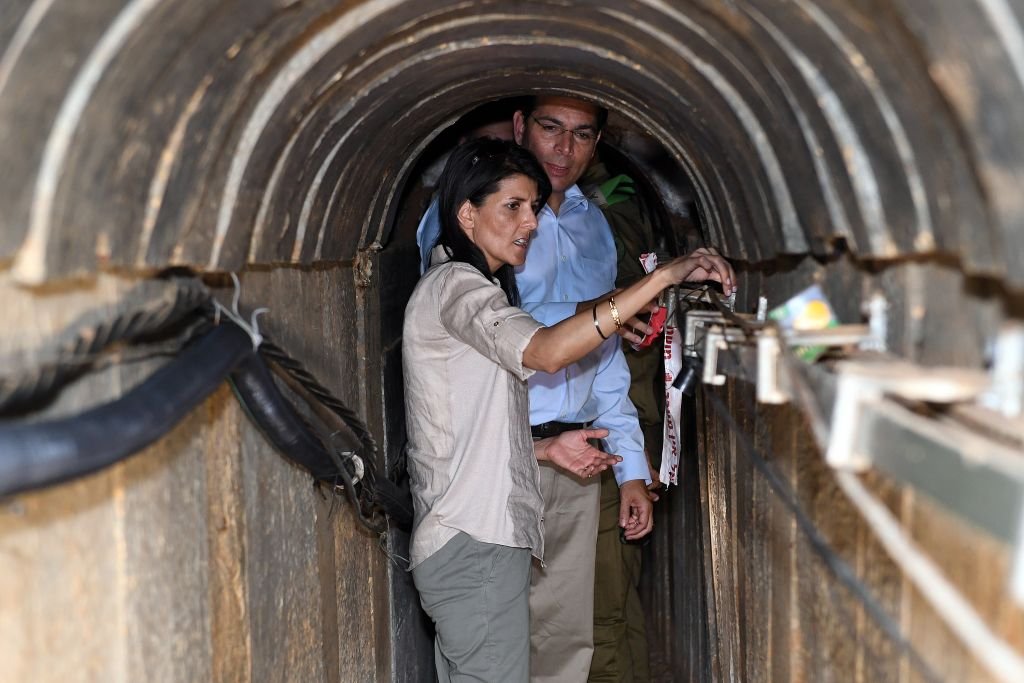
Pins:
x: 473, y: 172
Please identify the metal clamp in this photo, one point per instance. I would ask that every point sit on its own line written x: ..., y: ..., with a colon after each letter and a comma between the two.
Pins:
x: 718, y: 338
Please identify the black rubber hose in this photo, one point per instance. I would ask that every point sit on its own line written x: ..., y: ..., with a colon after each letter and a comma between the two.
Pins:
x: 44, y: 453
x: 279, y: 422
x: 292, y: 436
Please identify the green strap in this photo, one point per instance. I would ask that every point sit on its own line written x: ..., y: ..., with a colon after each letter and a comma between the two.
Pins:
x: 618, y: 189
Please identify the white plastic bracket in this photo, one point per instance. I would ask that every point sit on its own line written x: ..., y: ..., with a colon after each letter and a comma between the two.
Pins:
x: 769, y: 389
x: 861, y: 383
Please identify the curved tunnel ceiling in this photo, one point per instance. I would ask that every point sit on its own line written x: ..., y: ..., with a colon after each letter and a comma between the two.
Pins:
x: 139, y: 134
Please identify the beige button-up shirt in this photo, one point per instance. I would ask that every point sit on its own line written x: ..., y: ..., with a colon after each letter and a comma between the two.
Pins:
x: 471, y: 462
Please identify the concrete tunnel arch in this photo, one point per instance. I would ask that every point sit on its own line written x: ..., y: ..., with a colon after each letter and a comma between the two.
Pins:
x: 277, y: 137
x: 215, y: 138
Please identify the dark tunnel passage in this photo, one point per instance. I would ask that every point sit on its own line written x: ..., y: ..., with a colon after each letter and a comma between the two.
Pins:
x: 872, y: 147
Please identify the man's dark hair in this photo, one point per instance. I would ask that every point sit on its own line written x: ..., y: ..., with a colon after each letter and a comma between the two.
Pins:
x: 495, y: 111
x: 530, y: 104
x: 473, y: 172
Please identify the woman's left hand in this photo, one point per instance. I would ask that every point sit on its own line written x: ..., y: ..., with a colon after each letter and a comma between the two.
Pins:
x: 573, y: 453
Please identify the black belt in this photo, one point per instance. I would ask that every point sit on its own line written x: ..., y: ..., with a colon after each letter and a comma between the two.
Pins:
x: 548, y: 429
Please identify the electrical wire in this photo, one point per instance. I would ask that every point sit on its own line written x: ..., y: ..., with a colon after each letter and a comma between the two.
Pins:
x: 298, y: 371
x: 961, y: 618
x: 39, y: 454
x: 287, y: 431
x: 835, y: 564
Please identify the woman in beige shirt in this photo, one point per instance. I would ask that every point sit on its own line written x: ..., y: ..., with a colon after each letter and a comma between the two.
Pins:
x: 467, y: 351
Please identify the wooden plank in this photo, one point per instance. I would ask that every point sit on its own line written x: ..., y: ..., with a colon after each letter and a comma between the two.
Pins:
x: 341, y: 565
x: 710, y: 502
x: 760, y: 542
x: 370, y: 352
x: 743, y: 554
x: 362, y: 607
x: 979, y: 566
x: 784, y: 642
x: 60, y: 571
x: 878, y: 657
x: 162, y: 495
x: 230, y: 633
x: 411, y: 632
x: 722, y: 516
x: 282, y: 566
x: 823, y: 612
x: 698, y: 610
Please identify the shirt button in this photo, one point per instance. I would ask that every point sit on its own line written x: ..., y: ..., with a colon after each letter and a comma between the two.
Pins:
x: 565, y: 297
x: 563, y: 258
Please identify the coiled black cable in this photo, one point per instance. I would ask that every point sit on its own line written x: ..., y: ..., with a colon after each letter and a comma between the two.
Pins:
x: 45, y: 453
x: 291, y: 435
x: 73, y: 357
x: 272, y: 351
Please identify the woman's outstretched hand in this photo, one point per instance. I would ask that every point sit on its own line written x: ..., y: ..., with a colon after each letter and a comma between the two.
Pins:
x: 573, y: 453
x: 702, y: 264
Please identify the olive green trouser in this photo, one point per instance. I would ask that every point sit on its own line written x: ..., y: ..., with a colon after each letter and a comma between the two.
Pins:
x: 477, y: 595
x: 620, y: 646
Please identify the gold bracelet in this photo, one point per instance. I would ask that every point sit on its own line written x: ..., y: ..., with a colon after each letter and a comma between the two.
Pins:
x: 615, y: 312
x: 597, y: 326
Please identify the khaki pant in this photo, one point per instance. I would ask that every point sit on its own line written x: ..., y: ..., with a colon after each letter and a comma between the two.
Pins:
x: 620, y: 645
x: 562, y: 592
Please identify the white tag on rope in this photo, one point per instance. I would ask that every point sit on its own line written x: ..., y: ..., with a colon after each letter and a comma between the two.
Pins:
x: 671, y: 435
x: 673, y: 355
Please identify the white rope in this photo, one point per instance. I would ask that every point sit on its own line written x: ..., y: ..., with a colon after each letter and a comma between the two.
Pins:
x: 252, y: 328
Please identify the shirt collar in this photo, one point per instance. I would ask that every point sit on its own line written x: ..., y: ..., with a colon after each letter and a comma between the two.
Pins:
x: 438, y: 255
x: 574, y: 197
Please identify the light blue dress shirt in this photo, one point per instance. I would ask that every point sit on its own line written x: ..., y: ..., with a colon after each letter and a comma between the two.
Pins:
x: 427, y: 233
x: 571, y: 259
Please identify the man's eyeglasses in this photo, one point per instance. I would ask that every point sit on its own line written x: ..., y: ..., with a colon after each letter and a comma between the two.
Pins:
x: 550, y: 130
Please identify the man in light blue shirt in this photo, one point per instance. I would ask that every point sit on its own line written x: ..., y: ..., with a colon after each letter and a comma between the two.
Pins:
x: 572, y: 259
